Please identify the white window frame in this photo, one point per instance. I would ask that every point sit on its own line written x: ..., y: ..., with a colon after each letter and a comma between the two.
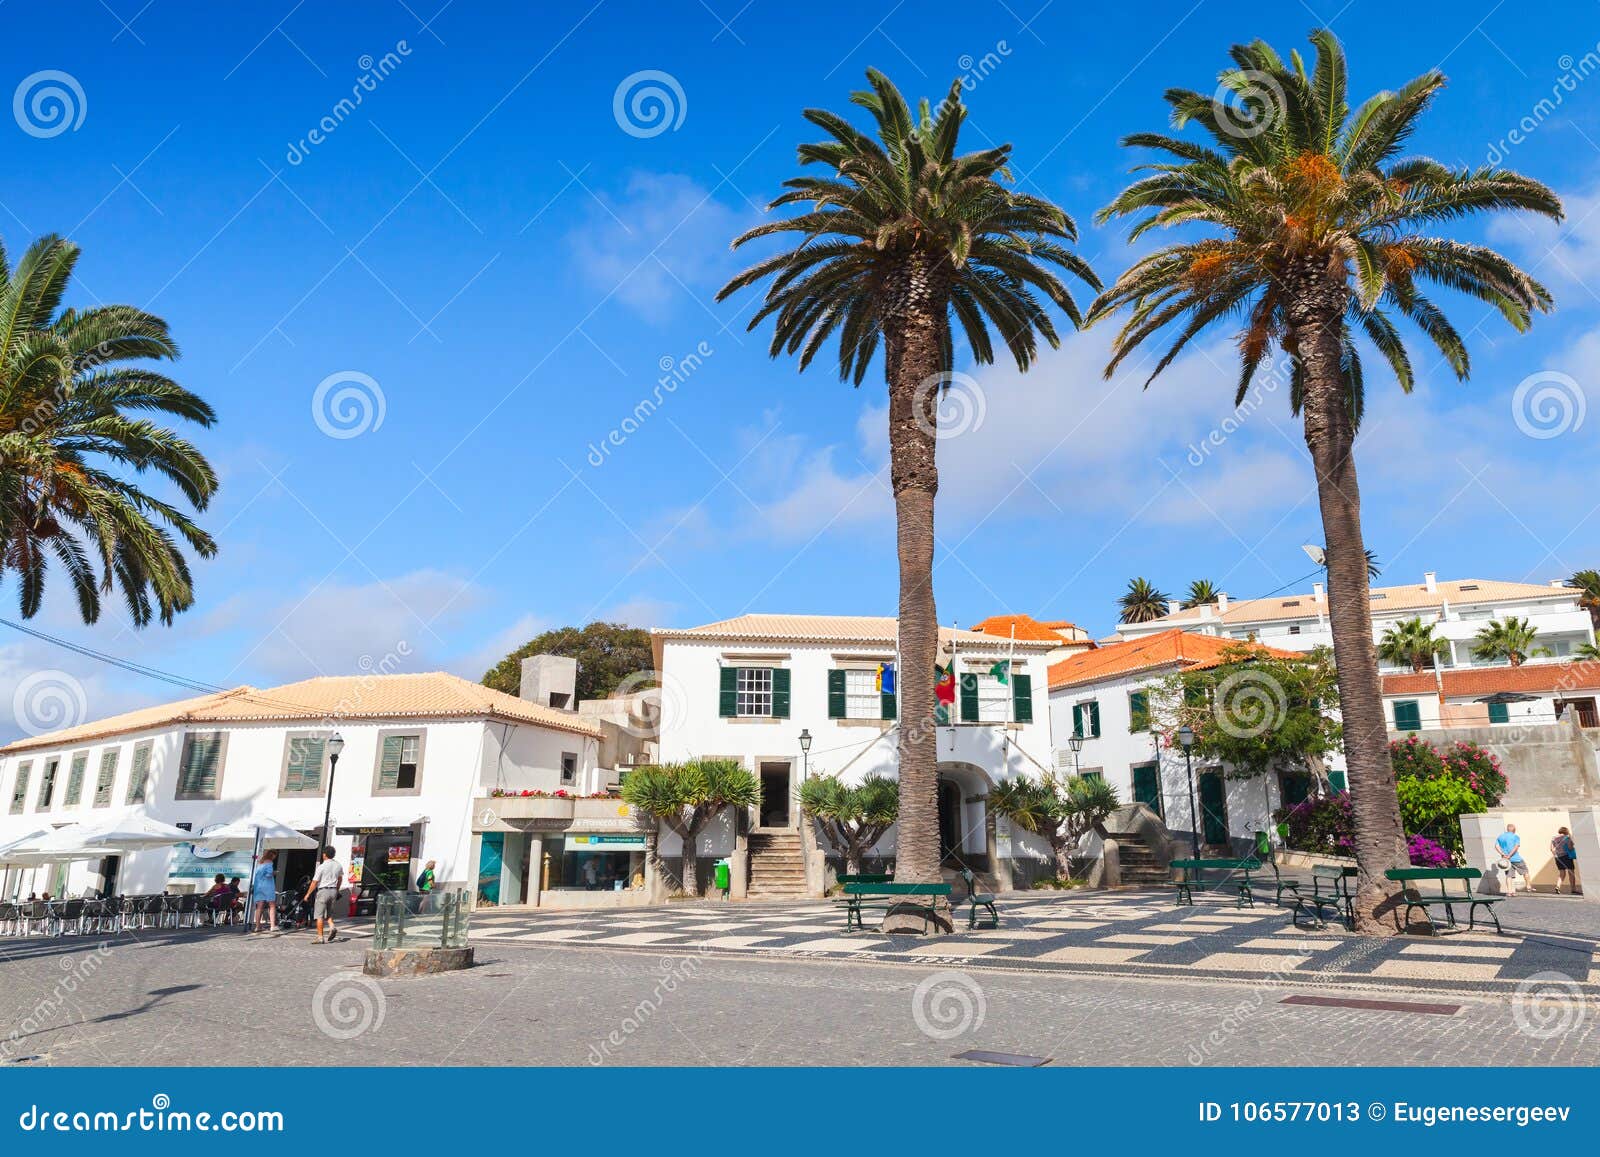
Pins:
x: 994, y: 699
x: 862, y: 699
x: 753, y: 693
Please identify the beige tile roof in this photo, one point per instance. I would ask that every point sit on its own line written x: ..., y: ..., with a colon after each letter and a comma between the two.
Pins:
x: 430, y: 695
x: 830, y: 629
x: 1417, y: 597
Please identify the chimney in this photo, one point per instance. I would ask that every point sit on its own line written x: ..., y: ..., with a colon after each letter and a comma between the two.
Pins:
x: 1317, y: 592
x: 1222, y: 602
x: 1173, y: 606
x: 550, y: 681
x: 1430, y: 580
x: 1558, y: 583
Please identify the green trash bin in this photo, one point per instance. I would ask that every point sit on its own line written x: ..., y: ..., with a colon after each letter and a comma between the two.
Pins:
x: 719, y: 876
x: 1263, y: 844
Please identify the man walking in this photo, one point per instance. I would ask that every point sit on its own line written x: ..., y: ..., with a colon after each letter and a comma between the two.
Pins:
x: 325, y: 884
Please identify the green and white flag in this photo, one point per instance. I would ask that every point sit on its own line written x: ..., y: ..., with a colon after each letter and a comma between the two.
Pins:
x: 1002, y: 670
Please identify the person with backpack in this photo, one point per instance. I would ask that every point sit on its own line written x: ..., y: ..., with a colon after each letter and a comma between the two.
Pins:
x: 426, y: 883
x: 1566, y: 857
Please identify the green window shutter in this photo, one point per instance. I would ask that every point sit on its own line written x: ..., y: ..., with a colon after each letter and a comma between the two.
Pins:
x: 1499, y: 713
x: 1336, y: 781
x: 891, y: 705
x: 389, y: 767
x: 780, y: 692
x: 47, y: 785
x: 80, y: 764
x: 728, y: 697
x: 1022, y: 698
x: 1077, y: 719
x: 139, y: 776
x: 1094, y: 719
x: 1139, y: 711
x: 1407, y: 715
x: 836, y: 695
x: 19, y: 790
x: 969, y: 698
x: 108, y: 774
x: 202, y: 755
x: 304, y: 772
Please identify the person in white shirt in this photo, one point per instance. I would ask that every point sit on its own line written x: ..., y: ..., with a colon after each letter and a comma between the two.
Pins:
x: 325, y: 884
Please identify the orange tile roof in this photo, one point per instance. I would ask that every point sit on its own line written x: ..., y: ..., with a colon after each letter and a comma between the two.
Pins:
x: 1475, y: 681
x: 1026, y: 627
x: 1185, y: 649
x: 327, y: 699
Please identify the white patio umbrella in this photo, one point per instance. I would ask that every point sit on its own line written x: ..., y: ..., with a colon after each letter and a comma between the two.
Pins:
x: 128, y: 832
x: 253, y: 833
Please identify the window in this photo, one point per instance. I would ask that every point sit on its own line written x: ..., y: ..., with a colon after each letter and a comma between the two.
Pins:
x: 107, y: 776
x: 139, y: 777
x: 75, y: 771
x: 1086, y: 719
x: 1499, y: 713
x: 862, y: 699
x: 303, y: 759
x: 1138, y: 711
x: 200, y: 765
x: 1407, y: 715
x: 1336, y: 781
x: 569, y: 767
x: 1093, y: 773
x: 1294, y: 787
x: 399, y: 769
x: 1294, y: 628
x: 994, y: 700
x: 47, y: 785
x: 19, y: 790
x: 754, y: 693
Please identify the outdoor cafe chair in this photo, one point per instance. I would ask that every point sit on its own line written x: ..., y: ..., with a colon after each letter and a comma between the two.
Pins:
x: 10, y: 918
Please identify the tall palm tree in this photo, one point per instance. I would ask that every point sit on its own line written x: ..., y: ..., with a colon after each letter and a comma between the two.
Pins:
x: 1142, y: 603
x: 1317, y: 236
x: 74, y: 439
x: 903, y: 242
x: 1201, y: 592
x: 1588, y: 584
x: 1510, y: 638
x: 1411, y: 643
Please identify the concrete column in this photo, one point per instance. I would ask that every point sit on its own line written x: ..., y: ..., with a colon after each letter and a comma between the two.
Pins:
x: 535, y: 869
x: 474, y: 858
x: 1584, y: 824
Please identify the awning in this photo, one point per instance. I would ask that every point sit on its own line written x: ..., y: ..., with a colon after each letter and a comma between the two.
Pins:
x: 361, y: 824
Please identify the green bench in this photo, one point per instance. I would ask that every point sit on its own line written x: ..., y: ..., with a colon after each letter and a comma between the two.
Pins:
x: 1192, y: 874
x: 1455, y: 887
x: 867, y: 878
x: 886, y: 896
x: 1330, y: 888
x: 978, y: 900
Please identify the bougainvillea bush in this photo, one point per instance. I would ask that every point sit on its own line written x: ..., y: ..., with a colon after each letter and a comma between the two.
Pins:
x: 1479, y: 771
x: 1324, y: 824
x: 1426, y: 853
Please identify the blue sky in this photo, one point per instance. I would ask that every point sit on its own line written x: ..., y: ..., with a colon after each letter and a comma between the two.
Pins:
x: 482, y: 246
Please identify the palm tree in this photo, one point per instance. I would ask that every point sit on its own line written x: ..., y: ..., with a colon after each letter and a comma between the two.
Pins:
x: 1588, y: 584
x: 1142, y: 603
x: 905, y: 241
x: 853, y: 818
x: 1410, y: 643
x: 686, y: 797
x: 1510, y: 638
x: 71, y: 447
x: 1063, y: 811
x: 1318, y: 234
x: 1201, y: 592
x: 1586, y: 652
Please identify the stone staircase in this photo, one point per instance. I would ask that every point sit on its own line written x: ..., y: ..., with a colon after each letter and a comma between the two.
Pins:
x: 777, y: 865
x: 1139, y: 867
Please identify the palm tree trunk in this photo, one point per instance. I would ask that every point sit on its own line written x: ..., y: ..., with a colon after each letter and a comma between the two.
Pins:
x: 914, y: 359
x: 1380, y: 839
x: 689, y: 875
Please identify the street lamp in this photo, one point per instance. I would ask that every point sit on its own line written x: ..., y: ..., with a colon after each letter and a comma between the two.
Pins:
x: 805, y: 765
x: 335, y: 746
x: 1075, y: 741
x: 1186, y: 741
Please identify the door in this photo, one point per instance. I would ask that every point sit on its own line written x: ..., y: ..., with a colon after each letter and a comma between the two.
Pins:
x: 774, y: 795
x: 1213, y: 808
x: 489, y: 864
x: 1584, y: 708
x: 949, y: 821
x: 1147, y: 786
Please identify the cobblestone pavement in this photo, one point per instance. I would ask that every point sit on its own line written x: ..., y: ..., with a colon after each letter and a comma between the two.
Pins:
x: 186, y: 998
x: 1121, y: 933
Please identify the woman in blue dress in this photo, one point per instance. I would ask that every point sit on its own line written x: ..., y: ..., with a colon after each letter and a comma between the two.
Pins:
x: 264, y: 894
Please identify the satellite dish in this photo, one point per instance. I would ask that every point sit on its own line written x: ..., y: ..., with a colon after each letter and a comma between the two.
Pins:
x: 1316, y: 554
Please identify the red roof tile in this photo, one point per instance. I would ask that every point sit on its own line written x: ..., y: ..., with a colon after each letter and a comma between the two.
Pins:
x: 1186, y: 649
x: 1475, y: 681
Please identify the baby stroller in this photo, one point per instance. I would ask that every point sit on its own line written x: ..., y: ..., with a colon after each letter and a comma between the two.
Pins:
x: 293, y: 909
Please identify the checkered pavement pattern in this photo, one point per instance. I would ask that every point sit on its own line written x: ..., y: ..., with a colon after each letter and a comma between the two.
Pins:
x: 1143, y: 933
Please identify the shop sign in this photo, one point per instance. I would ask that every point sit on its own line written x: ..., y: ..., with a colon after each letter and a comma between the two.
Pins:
x: 607, y: 841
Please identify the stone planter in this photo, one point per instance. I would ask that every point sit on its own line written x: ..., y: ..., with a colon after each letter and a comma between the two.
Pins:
x: 516, y: 807
x: 399, y: 962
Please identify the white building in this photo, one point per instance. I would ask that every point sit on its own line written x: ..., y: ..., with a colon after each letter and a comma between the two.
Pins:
x: 419, y: 750
x: 747, y: 688
x: 1458, y: 610
x: 1533, y: 693
x: 1104, y: 695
